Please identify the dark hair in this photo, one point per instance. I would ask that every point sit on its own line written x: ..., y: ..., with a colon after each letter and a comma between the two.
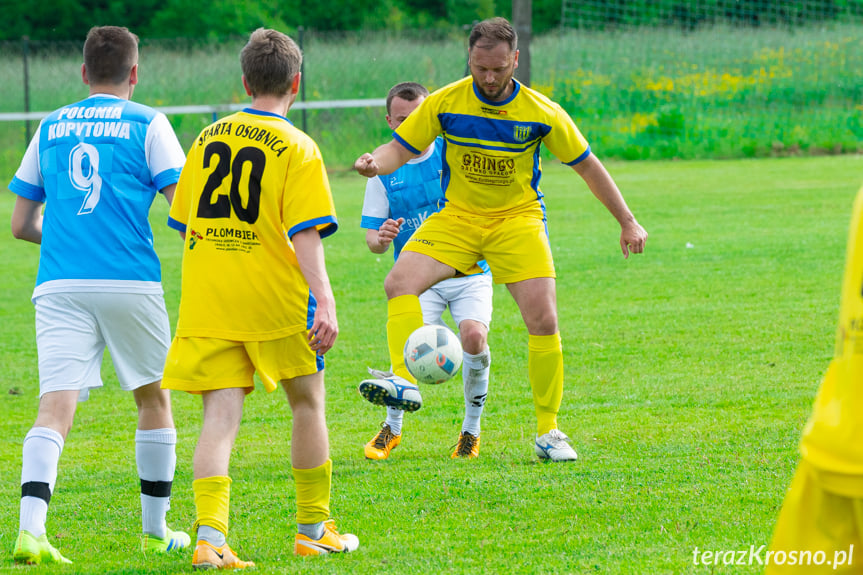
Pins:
x: 270, y: 60
x: 492, y: 32
x: 110, y: 52
x: 409, y: 91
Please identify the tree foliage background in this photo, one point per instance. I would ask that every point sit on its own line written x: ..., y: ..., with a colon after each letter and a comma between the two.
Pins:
x: 70, y: 19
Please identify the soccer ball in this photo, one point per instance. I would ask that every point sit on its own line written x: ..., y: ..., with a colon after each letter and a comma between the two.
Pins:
x: 433, y: 354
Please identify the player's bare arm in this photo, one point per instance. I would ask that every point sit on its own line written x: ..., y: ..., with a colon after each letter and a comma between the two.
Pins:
x: 168, y: 192
x: 601, y: 184
x: 27, y: 220
x: 379, y: 240
x: 384, y: 160
x: 310, y: 256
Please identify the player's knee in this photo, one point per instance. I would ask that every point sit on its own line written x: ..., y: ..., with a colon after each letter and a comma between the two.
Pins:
x: 152, y: 396
x: 473, y: 338
x: 394, y: 285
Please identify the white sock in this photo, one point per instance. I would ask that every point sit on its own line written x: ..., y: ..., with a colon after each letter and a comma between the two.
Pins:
x: 475, y: 370
x: 156, y: 456
x: 41, y: 453
x: 311, y: 530
x: 394, y: 419
x: 211, y: 535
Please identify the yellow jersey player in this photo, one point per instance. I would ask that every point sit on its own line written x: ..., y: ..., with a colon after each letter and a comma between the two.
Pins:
x: 253, y: 203
x: 820, y: 527
x: 394, y: 206
x: 493, y: 127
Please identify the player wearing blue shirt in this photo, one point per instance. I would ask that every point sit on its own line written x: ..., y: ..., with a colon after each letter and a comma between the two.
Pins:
x: 96, y: 167
x: 394, y: 207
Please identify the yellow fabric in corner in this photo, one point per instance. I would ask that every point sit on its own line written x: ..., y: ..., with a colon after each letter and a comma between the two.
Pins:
x: 313, y: 492
x: 545, y: 372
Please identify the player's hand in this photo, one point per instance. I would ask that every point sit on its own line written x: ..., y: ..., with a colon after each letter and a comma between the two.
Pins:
x: 389, y: 230
x: 632, y: 239
x: 366, y: 166
x: 325, y: 328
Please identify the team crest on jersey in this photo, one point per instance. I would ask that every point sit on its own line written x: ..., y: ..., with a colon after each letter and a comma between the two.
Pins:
x: 193, y: 239
x: 521, y: 133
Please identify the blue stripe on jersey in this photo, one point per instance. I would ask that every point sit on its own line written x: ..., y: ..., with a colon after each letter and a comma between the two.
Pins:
x: 311, y: 308
x: 492, y: 134
x: 26, y: 190
x: 536, y: 176
x: 445, y: 173
x: 370, y: 223
x: 515, y: 89
x: 329, y: 230
x: 179, y: 226
x: 581, y: 158
x: 255, y: 112
x: 401, y: 141
x: 166, y: 178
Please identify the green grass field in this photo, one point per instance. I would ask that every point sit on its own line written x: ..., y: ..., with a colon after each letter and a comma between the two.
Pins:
x: 689, y: 374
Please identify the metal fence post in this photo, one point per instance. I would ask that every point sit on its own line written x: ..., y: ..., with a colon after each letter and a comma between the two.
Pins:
x: 25, y: 49
x: 301, y: 32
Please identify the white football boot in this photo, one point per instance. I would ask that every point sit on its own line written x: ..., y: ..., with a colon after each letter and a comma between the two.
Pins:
x: 554, y: 446
x: 391, y: 391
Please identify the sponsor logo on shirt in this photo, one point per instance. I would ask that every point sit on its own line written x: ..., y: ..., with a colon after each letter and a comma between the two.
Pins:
x: 193, y: 239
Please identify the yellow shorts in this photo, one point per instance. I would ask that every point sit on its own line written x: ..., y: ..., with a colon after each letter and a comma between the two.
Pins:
x: 818, y: 531
x: 515, y: 248
x: 197, y: 364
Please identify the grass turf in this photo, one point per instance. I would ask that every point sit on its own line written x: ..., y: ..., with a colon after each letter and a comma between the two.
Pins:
x: 689, y: 374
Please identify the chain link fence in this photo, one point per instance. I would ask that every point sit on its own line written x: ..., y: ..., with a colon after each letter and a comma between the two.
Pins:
x: 668, y: 90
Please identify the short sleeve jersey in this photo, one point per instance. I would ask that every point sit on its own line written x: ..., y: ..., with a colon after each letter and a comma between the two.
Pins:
x: 252, y: 180
x: 411, y: 192
x: 492, y: 161
x: 833, y: 437
x: 97, y: 165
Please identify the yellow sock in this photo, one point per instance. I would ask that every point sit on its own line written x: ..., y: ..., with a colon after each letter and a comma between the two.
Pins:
x: 404, y: 315
x: 313, y: 492
x: 212, y: 501
x: 545, y: 371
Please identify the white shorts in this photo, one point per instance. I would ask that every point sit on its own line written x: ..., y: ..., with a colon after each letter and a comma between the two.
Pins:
x: 468, y: 297
x: 73, y: 329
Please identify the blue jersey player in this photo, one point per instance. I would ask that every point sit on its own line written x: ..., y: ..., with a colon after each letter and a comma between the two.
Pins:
x: 96, y: 166
x: 394, y: 207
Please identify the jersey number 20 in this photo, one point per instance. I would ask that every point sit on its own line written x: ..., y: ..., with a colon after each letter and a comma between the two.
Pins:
x: 221, y: 207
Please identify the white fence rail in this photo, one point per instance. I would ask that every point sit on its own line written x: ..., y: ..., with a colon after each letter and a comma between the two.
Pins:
x: 217, y: 108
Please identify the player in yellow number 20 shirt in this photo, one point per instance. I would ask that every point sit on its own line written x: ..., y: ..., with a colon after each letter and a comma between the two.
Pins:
x: 253, y: 202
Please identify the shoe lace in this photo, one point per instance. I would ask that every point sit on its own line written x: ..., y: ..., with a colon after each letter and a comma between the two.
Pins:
x: 383, y: 437
x: 465, y: 444
x: 377, y: 373
x: 557, y: 437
